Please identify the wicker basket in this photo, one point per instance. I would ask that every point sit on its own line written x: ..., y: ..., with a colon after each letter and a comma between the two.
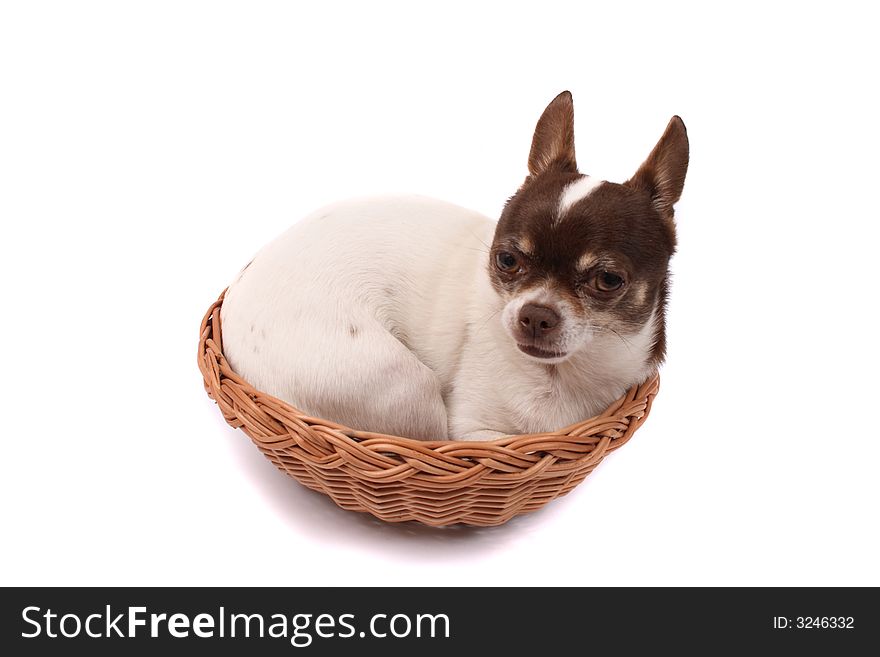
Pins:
x: 397, y: 479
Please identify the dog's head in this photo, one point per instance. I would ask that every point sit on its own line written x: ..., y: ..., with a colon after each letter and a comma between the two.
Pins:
x: 575, y: 257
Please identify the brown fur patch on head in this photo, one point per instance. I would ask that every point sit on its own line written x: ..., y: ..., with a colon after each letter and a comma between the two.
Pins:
x: 615, y: 229
x: 626, y: 230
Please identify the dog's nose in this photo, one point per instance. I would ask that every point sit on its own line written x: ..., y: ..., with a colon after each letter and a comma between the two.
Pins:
x: 538, y: 321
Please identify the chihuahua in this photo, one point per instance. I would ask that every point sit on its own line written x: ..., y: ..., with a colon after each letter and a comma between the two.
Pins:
x: 414, y: 317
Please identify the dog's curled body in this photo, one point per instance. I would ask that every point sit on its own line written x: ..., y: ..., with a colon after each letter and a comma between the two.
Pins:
x: 418, y: 318
x: 379, y: 314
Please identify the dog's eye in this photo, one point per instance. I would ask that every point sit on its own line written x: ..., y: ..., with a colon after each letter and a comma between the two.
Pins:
x: 506, y: 261
x: 608, y: 281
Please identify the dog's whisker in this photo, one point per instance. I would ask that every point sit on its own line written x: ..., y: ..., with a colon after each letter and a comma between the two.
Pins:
x: 619, y: 336
x: 485, y: 322
x: 477, y: 237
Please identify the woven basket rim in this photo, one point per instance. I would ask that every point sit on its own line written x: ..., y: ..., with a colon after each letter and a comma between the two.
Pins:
x: 211, y: 331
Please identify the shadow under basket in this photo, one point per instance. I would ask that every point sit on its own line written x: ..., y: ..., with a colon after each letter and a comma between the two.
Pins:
x: 398, y: 479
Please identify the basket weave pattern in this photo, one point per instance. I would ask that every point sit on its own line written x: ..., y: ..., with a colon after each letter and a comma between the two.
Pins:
x: 398, y: 479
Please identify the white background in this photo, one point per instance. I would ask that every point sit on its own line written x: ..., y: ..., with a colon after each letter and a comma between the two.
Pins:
x: 147, y: 150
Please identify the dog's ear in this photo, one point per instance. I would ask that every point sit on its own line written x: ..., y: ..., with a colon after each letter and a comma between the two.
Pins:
x: 553, y: 143
x: 662, y: 174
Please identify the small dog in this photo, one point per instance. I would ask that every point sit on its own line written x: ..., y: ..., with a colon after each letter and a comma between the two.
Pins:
x: 394, y: 315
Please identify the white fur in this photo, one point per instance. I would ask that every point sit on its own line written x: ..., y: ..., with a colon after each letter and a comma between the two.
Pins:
x: 574, y: 192
x: 380, y: 314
